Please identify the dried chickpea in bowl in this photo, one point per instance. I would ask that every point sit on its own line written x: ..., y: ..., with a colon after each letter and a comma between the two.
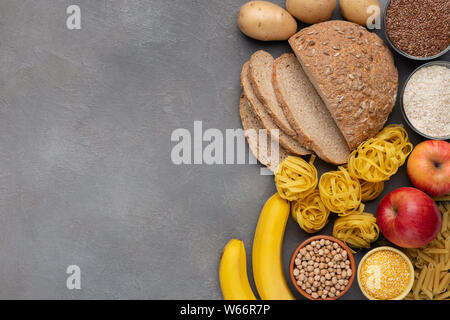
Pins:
x: 322, y: 268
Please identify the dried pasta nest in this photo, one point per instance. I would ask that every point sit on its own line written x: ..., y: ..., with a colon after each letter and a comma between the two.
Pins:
x: 370, y: 190
x: 295, y: 178
x: 358, y: 230
x: 310, y: 212
x: 340, y: 192
x: 379, y: 158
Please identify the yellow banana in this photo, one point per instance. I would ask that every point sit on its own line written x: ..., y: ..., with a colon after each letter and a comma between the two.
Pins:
x: 267, y: 244
x: 233, y: 272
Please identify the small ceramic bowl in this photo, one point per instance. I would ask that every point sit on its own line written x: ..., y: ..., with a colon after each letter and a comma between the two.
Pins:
x: 411, y: 270
x: 405, y: 117
x: 392, y: 44
x: 315, y: 238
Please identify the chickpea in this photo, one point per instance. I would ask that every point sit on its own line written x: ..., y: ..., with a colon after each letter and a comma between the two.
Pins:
x: 311, y: 280
x: 304, y: 287
x: 349, y: 272
x: 331, y: 295
x: 335, y: 245
x: 338, y: 293
x: 332, y: 290
x: 317, y: 278
x: 327, y: 242
x: 301, y: 278
x: 315, y: 295
x: 297, y: 262
x: 299, y: 283
x: 334, y: 280
x: 344, y: 274
x: 324, y: 296
x: 308, y: 291
x: 310, y: 262
x: 296, y: 272
x: 313, y: 243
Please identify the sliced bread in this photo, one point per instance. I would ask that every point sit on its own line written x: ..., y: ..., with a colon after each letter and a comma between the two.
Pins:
x: 306, y: 111
x: 290, y: 144
x: 252, y: 125
x: 261, y: 68
x: 354, y: 73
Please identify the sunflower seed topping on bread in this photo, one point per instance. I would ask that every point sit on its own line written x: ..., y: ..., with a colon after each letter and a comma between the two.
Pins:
x: 354, y: 73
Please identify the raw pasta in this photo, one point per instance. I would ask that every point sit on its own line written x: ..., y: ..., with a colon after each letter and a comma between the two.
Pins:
x: 295, y: 178
x: 432, y: 264
x: 371, y: 190
x: 379, y: 158
x: 310, y: 212
x: 340, y: 192
x: 357, y: 230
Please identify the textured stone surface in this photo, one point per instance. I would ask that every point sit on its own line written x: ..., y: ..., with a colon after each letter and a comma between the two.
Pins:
x: 85, y: 172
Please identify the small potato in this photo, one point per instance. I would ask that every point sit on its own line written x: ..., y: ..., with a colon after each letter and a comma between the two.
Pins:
x: 266, y: 21
x: 358, y: 11
x: 311, y: 11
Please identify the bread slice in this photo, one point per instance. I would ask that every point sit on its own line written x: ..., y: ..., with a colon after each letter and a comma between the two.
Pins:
x: 261, y: 68
x: 306, y: 111
x: 252, y: 125
x: 290, y: 144
x: 354, y: 73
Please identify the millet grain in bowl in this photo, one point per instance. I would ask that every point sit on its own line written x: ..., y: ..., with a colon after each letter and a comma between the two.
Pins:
x: 426, y: 101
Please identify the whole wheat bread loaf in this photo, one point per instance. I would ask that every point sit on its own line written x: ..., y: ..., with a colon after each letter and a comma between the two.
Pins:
x: 290, y: 144
x: 261, y: 68
x: 354, y: 73
x: 306, y: 111
x: 252, y: 125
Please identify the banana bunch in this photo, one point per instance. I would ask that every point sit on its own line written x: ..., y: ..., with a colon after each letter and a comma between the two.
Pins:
x: 267, y: 265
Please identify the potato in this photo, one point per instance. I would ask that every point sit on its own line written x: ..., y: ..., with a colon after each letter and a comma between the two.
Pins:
x: 311, y: 11
x: 356, y: 10
x: 266, y: 21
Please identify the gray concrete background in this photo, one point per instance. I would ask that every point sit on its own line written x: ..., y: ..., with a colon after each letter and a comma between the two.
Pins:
x: 85, y: 172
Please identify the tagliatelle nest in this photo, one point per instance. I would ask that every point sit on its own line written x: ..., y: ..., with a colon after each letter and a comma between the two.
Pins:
x: 340, y: 192
x: 357, y: 230
x: 379, y: 158
x: 295, y: 178
x: 370, y: 190
x: 310, y: 212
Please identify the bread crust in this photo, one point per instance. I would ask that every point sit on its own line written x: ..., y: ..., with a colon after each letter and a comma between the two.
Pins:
x: 354, y: 73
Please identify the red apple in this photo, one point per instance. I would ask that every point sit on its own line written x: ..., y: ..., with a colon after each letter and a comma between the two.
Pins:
x: 409, y: 218
x: 429, y: 167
